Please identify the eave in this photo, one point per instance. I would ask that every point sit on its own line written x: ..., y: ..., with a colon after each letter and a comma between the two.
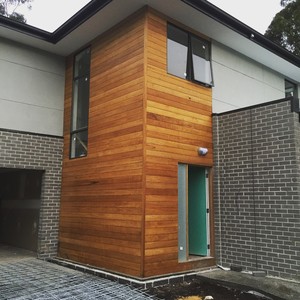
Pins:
x: 227, y: 20
x: 99, y: 15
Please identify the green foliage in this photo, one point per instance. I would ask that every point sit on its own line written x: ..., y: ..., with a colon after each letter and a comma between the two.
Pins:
x: 285, y: 27
x: 285, y: 2
x: 8, y: 9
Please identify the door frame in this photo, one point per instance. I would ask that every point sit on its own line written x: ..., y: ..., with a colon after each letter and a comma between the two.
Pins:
x: 183, y: 230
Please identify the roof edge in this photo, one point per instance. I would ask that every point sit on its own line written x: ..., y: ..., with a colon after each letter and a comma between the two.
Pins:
x: 234, y: 24
x: 25, y: 28
x: 71, y: 24
x: 203, y: 6
x: 76, y: 20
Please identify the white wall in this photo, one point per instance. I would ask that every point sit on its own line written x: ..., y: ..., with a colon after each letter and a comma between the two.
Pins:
x: 31, y: 89
x: 240, y: 82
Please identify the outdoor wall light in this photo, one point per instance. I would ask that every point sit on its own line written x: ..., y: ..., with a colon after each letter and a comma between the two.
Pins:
x: 202, y: 151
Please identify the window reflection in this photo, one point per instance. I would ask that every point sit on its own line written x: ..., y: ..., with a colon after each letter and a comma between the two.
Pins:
x: 188, y: 56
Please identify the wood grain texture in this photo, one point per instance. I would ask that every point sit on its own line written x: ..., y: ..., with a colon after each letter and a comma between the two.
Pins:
x: 102, y: 194
x: 178, y: 122
x: 119, y: 204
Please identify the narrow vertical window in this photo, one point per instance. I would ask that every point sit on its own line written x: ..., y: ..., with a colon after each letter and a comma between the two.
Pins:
x: 188, y: 56
x: 80, y: 104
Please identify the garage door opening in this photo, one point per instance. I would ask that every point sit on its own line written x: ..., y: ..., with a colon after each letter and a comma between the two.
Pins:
x: 20, y: 201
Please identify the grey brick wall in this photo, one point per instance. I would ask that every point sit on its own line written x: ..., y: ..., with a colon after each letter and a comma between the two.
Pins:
x: 257, y: 189
x: 38, y: 152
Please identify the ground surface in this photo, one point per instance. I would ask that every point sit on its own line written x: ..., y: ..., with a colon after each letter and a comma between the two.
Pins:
x: 23, y: 277
x: 198, y: 288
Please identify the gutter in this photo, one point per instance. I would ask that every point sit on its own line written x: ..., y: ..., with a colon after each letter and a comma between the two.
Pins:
x: 79, y: 18
x: 234, y: 24
x: 203, y: 6
x: 25, y: 29
x: 54, y: 37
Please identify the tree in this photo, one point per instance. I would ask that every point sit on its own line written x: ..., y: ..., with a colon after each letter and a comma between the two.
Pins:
x: 285, y: 2
x: 285, y: 27
x: 8, y: 9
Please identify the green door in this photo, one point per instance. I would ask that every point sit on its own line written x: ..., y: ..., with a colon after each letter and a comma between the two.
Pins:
x: 197, y: 211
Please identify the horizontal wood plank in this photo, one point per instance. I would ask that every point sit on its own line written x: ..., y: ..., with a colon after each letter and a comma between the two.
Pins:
x: 119, y: 208
x: 178, y: 122
x: 102, y: 194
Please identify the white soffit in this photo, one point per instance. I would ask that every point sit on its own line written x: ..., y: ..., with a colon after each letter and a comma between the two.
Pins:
x: 118, y: 10
x: 224, y: 35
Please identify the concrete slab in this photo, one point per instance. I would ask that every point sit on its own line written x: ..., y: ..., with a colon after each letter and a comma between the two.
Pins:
x: 284, y: 289
x: 9, y: 253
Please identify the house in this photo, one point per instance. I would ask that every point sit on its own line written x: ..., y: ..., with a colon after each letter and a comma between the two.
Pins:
x: 174, y: 129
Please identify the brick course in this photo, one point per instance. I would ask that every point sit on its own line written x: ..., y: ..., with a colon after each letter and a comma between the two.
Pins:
x: 38, y: 152
x: 257, y: 188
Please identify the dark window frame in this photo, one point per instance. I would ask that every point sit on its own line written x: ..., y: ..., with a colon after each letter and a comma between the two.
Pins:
x: 75, y: 130
x: 190, y: 72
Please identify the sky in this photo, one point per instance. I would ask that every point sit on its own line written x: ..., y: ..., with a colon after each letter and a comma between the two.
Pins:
x: 257, y: 14
x: 50, y: 14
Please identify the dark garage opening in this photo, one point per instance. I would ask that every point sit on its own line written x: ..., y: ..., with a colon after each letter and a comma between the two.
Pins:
x: 20, y: 201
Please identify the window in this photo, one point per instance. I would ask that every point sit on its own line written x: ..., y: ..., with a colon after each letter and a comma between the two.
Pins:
x: 80, y: 104
x: 189, y: 56
x: 291, y: 89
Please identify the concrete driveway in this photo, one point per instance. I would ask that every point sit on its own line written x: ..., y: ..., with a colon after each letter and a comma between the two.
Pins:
x: 23, y: 277
x: 284, y: 289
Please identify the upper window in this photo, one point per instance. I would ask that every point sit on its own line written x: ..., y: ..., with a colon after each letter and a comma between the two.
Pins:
x: 189, y: 56
x: 80, y: 104
x: 291, y: 89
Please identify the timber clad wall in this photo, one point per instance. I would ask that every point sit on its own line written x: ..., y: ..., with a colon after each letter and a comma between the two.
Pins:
x: 119, y: 204
x: 178, y: 122
x: 102, y: 196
